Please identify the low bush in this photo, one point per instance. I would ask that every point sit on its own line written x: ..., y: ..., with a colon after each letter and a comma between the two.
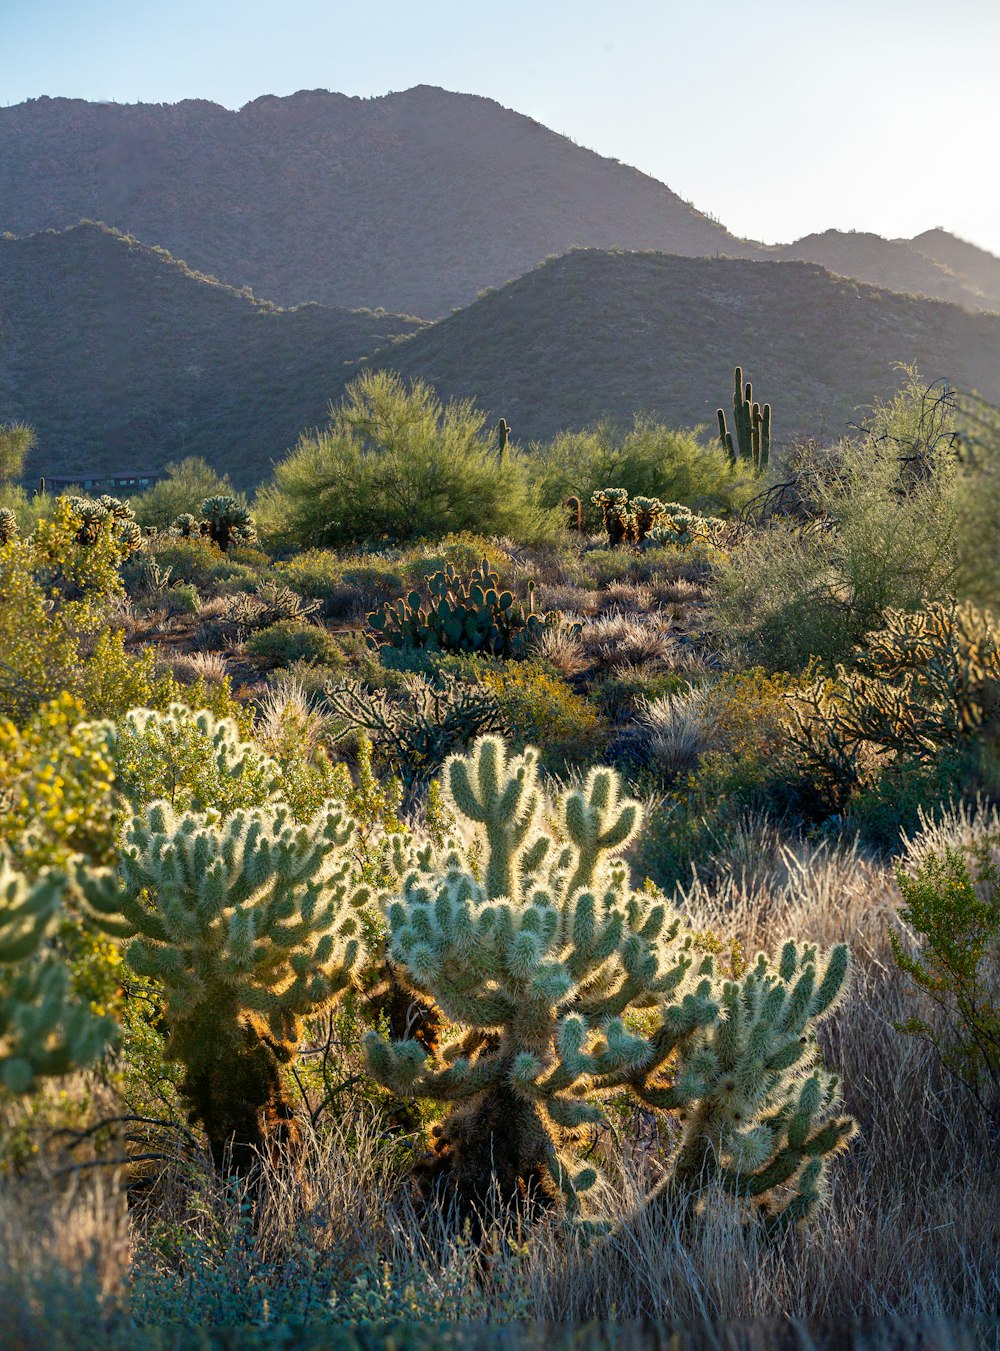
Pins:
x: 292, y: 640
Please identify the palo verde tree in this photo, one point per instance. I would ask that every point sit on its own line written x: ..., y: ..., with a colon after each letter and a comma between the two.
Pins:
x: 535, y: 947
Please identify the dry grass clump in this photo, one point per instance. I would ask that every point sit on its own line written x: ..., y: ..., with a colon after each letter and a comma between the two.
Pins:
x: 627, y: 596
x: 211, y: 667
x: 566, y: 597
x: 679, y: 728
x: 563, y: 650
x: 618, y: 638
x: 678, y: 590
x: 289, y: 720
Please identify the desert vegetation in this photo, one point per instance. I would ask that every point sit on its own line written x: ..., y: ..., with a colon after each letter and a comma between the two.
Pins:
x: 482, y: 882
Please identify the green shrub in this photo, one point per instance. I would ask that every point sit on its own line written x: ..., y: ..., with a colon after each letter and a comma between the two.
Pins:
x: 952, y: 904
x: 540, y: 709
x: 186, y: 485
x: 396, y: 465
x: 292, y: 640
x: 652, y: 459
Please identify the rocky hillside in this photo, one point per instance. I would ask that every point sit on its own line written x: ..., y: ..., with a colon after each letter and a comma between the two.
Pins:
x: 122, y: 358
x: 597, y: 334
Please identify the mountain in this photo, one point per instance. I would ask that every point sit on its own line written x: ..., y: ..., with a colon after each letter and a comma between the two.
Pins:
x: 893, y: 264
x: 601, y: 334
x: 123, y: 358
x: 979, y: 268
x: 414, y: 201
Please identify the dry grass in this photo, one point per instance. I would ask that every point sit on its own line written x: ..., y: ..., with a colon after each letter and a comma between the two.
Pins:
x: 911, y: 1229
x: 211, y: 667
x: 618, y: 638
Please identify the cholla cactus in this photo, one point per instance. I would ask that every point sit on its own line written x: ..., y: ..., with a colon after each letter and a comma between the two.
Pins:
x: 44, y: 1030
x: 185, y: 525
x: 679, y: 526
x: 646, y: 511
x: 229, y: 521
x: 251, y: 925
x: 93, y: 515
x: 535, y: 947
x: 618, y: 520
x: 8, y: 526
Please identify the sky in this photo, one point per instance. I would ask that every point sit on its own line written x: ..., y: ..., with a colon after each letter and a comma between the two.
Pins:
x: 778, y: 118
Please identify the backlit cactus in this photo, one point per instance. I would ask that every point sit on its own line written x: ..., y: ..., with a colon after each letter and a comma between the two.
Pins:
x: 753, y: 427
x: 614, y: 509
x: 251, y: 925
x: 526, y: 933
x: 44, y: 1029
x: 228, y: 521
x: 679, y: 526
x: 8, y: 526
x: 462, y: 615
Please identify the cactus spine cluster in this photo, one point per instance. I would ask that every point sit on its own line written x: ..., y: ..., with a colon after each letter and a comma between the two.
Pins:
x: 534, y: 946
x: 251, y: 925
x: 753, y: 427
x: 44, y: 1029
x: 462, y: 615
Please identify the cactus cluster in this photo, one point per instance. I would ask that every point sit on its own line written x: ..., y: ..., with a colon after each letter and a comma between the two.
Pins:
x: 227, y: 521
x: 473, y: 614
x: 94, y: 514
x: 250, y: 924
x: 627, y: 522
x: 753, y: 427
x: 679, y: 526
x: 44, y: 1029
x: 525, y: 932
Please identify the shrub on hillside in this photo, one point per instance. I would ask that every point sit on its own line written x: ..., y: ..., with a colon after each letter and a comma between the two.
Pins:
x: 186, y: 485
x: 394, y: 464
x: 292, y: 640
x: 650, y: 459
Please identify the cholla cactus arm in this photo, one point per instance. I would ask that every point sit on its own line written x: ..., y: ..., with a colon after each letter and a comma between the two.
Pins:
x: 599, y: 822
x: 44, y: 1029
x: 504, y: 797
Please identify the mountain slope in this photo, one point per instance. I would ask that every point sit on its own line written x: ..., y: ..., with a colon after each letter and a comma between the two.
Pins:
x: 596, y: 334
x: 414, y: 201
x: 121, y: 358
x: 893, y: 264
x: 979, y: 268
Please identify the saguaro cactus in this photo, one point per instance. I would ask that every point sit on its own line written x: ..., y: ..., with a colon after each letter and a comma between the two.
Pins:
x: 753, y: 427
x: 534, y: 946
x: 251, y: 925
x: 44, y: 1029
x: 503, y: 438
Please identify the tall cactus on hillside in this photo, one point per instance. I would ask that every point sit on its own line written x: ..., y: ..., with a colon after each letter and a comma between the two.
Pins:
x: 44, y: 1029
x: 251, y: 925
x: 533, y: 944
x: 753, y: 427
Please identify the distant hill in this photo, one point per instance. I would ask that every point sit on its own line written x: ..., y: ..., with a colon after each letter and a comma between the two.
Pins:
x: 415, y: 201
x: 894, y: 264
x: 122, y: 358
x: 597, y: 334
x: 979, y: 268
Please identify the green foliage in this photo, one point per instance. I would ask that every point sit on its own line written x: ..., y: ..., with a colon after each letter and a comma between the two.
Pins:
x: 955, y: 916
x: 538, y: 707
x: 251, y: 925
x: 44, y: 1029
x: 651, y: 458
x: 291, y: 640
x: 415, y: 734
x: 753, y: 427
x: 924, y: 683
x: 473, y: 615
x: 16, y: 441
x: 535, y: 947
x: 186, y: 485
x: 395, y: 464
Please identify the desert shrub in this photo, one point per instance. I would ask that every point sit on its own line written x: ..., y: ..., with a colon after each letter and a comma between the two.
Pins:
x: 952, y: 907
x: 885, y: 533
x: 538, y: 707
x: 537, y: 976
x: 620, y: 693
x: 926, y: 682
x: 651, y: 459
x: 200, y: 562
x: 291, y: 640
x: 417, y: 469
x: 414, y: 733
x: 186, y: 485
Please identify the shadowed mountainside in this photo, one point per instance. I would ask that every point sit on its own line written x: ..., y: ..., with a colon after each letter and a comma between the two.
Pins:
x: 414, y: 201
x: 596, y: 334
x: 122, y: 358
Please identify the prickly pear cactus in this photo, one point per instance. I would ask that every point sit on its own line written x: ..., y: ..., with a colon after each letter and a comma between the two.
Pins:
x: 462, y: 615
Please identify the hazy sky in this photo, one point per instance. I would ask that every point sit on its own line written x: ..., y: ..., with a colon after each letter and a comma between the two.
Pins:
x: 778, y: 118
